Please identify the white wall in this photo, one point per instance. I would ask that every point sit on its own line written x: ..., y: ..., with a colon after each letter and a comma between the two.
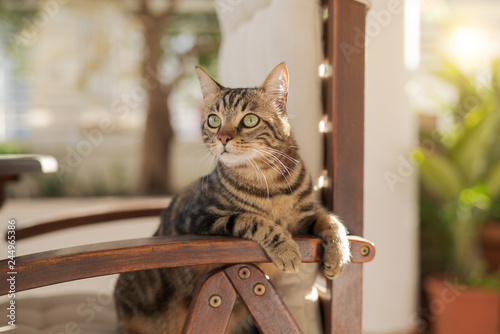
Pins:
x: 390, y: 281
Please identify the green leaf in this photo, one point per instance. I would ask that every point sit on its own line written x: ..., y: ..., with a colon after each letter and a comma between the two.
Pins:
x: 441, y: 176
x: 492, y: 180
x: 473, y: 150
x: 495, y: 76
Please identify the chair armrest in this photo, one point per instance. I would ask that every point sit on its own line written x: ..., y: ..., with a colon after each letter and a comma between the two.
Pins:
x: 136, y: 209
x: 68, y: 264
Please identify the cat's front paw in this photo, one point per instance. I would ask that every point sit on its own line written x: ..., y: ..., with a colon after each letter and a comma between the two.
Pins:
x: 286, y: 256
x: 337, y: 255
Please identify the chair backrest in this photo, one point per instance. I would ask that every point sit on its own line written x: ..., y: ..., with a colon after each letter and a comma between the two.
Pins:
x: 343, y: 93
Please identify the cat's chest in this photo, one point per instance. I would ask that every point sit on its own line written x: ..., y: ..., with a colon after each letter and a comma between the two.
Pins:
x: 282, y: 210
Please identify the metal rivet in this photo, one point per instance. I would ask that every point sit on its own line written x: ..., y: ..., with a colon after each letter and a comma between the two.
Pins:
x: 323, y: 180
x: 365, y: 250
x: 244, y: 272
x: 215, y: 301
x: 259, y: 289
x: 324, y: 125
x: 325, y: 70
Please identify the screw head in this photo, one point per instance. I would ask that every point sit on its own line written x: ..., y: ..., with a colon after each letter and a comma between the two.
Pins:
x: 215, y: 301
x: 244, y: 272
x: 365, y: 250
x: 259, y: 289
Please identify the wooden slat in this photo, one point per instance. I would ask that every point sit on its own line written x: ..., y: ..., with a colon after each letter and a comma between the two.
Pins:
x: 63, y: 265
x: 344, y: 105
x: 270, y: 313
x: 268, y: 310
x: 204, y: 318
x: 345, y: 144
x: 128, y: 210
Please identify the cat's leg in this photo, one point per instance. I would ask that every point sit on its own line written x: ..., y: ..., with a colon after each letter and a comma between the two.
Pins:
x: 153, y: 301
x: 276, y: 241
x: 337, y: 253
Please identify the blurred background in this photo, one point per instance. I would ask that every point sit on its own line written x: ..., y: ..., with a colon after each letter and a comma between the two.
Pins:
x: 108, y: 88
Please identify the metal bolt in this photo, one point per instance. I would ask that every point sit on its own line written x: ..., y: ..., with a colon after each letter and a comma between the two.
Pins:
x: 259, y: 289
x: 244, y: 273
x: 365, y: 250
x: 215, y: 301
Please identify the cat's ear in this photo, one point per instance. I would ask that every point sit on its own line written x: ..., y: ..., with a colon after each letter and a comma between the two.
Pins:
x: 276, y: 85
x: 209, y: 86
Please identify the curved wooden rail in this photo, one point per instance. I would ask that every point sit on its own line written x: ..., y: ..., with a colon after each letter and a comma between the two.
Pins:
x: 136, y: 209
x: 68, y: 264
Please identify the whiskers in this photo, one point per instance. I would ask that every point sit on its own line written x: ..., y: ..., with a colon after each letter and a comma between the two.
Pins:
x: 205, y: 164
x: 199, y: 154
x: 254, y: 165
x: 284, y: 155
x: 270, y: 158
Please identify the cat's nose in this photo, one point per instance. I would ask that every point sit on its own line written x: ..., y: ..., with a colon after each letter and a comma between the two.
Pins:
x: 224, y: 138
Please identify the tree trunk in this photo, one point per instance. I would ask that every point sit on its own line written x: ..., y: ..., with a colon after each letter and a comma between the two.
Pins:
x: 158, y: 134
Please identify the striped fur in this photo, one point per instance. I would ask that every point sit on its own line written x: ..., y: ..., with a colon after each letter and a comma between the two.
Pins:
x: 259, y: 190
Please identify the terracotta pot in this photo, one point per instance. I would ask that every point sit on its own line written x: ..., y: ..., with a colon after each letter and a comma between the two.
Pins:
x: 457, y: 309
x: 490, y: 245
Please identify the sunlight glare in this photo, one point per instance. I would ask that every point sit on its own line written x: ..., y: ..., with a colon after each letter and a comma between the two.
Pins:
x: 468, y: 45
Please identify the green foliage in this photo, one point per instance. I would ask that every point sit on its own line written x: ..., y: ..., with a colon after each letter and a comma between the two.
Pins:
x: 114, y: 183
x: 12, y: 148
x: 480, y: 277
x: 441, y: 176
x: 12, y: 13
x: 49, y: 185
x: 13, y: 17
x: 195, y: 38
x: 119, y: 178
x: 460, y: 174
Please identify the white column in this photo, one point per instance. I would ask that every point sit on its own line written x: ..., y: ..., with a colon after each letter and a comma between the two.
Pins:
x: 391, y: 216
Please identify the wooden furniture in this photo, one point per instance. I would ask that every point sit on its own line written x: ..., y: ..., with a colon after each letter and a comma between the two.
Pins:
x: 221, y: 289
x: 12, y: 165
x: 64, y: 265
x: 343, y: 92
x: 344, y: 149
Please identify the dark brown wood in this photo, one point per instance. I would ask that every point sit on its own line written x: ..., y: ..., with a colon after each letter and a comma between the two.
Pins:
x: 344, y: 106
x: 270, y: 313
x: 63, y: 265
x: 267, y: 308
x: 345, y: 109
x: 204, y: 318
x: 142, y: 208
x: 3, y: 183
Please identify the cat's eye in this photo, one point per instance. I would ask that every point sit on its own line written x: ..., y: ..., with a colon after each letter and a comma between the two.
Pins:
x: 250, y: 120
x: 213, y: 121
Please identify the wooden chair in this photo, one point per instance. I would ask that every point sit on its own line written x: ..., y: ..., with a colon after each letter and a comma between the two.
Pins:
x: 343, y: 92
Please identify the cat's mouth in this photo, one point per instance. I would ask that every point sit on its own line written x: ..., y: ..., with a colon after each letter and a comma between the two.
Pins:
x: 228, y: 154
x: 231, y: 157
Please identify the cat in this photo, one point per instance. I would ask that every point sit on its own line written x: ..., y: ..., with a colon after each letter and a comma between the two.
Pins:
x: 260, y: 190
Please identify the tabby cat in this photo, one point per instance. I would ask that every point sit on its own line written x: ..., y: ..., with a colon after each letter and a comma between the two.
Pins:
x: 259, y: 190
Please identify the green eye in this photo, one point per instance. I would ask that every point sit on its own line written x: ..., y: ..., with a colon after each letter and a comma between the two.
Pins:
x: 213, y: 121
x: 250, y: 120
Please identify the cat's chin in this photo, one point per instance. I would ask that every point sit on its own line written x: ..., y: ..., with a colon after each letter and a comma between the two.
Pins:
x: 232, y: 160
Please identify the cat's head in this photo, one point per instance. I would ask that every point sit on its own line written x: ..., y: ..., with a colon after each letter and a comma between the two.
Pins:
x: 243, y: 126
